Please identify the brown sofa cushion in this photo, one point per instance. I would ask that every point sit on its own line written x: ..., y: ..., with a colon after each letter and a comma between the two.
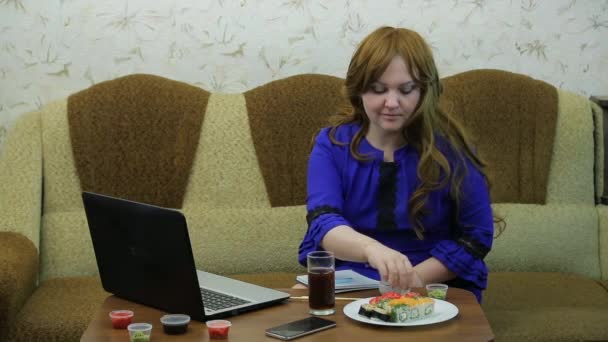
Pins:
x: 59, y: 310
x: 512, y: 118
x: 135, y: 137
x: 283, y: 116
x: 521, y: 306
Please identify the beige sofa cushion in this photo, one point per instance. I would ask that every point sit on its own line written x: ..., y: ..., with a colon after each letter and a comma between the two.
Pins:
x: 66, y: 249
x: 61, y: 183
x: 226, y: 173
x: 229, y: 240
x: 551, y: 237
x: 571, y: 178
x: 21, y: 175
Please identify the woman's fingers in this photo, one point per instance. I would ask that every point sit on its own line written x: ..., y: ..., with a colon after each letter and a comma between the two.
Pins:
x: 383, y: 270
x: 399, y: 269
x: 394, y: 267
x: 393, y: 272
x: 405, y: 273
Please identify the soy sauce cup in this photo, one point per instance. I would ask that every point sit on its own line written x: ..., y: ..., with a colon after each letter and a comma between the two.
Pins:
x: 175, y: 324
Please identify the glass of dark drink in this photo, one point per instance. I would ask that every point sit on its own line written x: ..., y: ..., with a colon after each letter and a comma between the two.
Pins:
x: 321, y: 283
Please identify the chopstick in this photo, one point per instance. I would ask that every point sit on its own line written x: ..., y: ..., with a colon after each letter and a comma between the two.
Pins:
x: 337, y: 298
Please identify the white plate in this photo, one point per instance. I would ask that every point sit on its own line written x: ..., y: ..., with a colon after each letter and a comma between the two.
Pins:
x: 443, y: 312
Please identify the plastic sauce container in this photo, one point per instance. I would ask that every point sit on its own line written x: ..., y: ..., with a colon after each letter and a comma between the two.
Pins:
x: 218, y: 329
x: 140, y: 332
x: 437, y: 291
x: 385, y: 287
x: 175, y: 324
x: 121, y: 318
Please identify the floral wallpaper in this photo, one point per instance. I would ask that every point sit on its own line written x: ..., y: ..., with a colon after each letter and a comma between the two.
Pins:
x: 52, y: 48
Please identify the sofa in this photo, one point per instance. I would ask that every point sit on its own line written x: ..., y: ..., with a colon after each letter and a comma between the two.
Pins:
x: 235, y: 165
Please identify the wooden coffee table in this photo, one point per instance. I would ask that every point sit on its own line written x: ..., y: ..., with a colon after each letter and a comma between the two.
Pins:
x: 469, y: 325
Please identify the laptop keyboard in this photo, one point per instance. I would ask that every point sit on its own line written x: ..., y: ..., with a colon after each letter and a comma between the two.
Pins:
x: 217, y: 301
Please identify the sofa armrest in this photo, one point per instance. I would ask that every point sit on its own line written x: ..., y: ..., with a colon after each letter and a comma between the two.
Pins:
x: 18, y: 275
x: 603, y: 239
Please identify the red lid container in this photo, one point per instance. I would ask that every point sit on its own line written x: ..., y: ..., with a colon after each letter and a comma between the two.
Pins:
x: 121, y: 318
x: 218, y: 329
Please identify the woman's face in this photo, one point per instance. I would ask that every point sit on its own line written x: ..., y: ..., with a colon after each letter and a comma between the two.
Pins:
x: 391, y: 99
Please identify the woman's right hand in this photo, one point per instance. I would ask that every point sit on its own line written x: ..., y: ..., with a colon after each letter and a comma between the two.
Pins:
x: 394, y: 267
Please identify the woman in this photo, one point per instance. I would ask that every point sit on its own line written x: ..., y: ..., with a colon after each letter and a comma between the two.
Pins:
x: 395, y: 190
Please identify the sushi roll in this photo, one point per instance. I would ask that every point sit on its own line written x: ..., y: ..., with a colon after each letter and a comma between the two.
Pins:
x: 429, y: 308
x: 384, y: 304
x: 366, y: 310
x: 410, y: 308
x: 381, y: 314
x: 400, y: 313
x: 415, y: 312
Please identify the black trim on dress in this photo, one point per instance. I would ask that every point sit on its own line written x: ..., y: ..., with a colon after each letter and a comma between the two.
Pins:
x: 318, y: 211
x: 473, y: 247
x: 387, y: 191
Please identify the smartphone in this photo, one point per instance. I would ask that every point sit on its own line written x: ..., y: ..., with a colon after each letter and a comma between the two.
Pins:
x: 302, y: 327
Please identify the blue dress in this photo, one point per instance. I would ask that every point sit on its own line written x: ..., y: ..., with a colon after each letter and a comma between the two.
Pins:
x: 372, y: 196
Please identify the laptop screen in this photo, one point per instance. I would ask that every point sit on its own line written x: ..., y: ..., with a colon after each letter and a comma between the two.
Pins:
x: 144, y: 254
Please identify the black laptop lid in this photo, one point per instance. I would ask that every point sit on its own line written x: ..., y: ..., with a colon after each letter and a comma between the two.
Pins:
x: 144, y: 254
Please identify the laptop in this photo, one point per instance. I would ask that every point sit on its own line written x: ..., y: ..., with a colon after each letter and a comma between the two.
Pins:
x: 144, y: 255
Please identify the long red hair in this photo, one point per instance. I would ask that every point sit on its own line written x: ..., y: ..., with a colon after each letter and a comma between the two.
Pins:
x: 428, y: 121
